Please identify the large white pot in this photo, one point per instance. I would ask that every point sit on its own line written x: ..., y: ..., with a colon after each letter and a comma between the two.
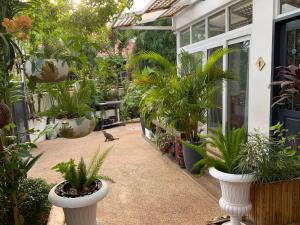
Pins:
x: 38, y: 124
x: 47, y: 70
x: 235, y: 199
x: 79, y: 210
x: 75, y: 128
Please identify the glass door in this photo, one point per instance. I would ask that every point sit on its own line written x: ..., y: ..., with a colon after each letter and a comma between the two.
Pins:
x: 214, y: 116
x: 237, y: 100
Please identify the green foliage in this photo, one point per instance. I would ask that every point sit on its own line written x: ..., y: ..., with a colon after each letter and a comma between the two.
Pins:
x: 164, y: 141
x: 69, y: 102
x: 16, y: 160
x: 80, y: 176
x: 179, y: 101
x: 130, y: 102
x: 33, y: 203
x: 228, y: 144
x: 161, y: 42
x: 270, y: 159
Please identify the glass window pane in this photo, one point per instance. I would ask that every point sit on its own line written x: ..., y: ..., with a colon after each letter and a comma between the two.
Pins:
x: 216, y: 24
x: 185, y: 37
x: 240, y: 14
x: 289, y: 5
x: 198, y: 32
x: 214, y: 116
x: 293, y: 47
x: 238, y: 63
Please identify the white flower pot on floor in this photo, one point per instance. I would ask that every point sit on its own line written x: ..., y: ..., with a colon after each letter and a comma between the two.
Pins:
x: 149, y: 134
x: 80, y: 210
x: 75, y: 128
x: 235, y: 200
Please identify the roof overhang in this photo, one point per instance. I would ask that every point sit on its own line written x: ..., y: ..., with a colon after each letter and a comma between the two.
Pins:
x: 155, y: 9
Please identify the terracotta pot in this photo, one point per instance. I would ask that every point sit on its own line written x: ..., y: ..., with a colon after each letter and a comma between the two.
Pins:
x: 235, y: 200
x: 47, y: 70
x: 80, y: 210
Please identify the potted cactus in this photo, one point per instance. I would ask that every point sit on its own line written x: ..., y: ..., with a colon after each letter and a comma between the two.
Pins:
x: 82, y: 189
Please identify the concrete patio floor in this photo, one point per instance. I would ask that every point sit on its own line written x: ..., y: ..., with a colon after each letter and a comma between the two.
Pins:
x: 149, y: 190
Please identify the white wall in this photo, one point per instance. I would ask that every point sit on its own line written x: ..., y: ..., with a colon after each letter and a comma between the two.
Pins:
x: 200, y: 9
x: 259, y: 81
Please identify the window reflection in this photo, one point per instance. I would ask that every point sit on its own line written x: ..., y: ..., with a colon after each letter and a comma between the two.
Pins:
x: 289, y: 5
x: 240, y: 14
x: 216, y: 24
x: 215, y: 114
x: 185, y: 37
x: 238, y: 63
x: 198, y: 32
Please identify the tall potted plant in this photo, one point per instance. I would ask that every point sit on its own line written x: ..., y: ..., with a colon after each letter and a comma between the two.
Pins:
x: 71, y: 109
x: 82, y: 189
x: 235, y: 185
x: 287, y: 100
x: 179, y: 100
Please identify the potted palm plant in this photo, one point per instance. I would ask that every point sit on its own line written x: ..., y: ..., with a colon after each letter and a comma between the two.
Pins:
x: 180, y: 102
x: 71, y: 110
x: 235, y: 185
x: 82, y: 189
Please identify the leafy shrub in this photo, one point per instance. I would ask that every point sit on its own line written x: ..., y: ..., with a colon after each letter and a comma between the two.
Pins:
x: 131, y: 101
x: 269, y: 158
x: 164, y: 141
x: 80, y: 177
x: 33, y: 203
x: 69, y: 102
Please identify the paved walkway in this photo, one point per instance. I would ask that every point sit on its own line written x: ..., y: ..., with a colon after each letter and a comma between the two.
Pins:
x: 149, y: 188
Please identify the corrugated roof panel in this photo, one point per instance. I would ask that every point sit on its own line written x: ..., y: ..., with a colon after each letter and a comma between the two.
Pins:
x: 161, y: 4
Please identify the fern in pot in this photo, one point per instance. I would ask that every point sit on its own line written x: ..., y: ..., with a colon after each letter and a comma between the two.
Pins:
x: 82, y: 189
x: 71, y: 109
x: 180, y: 101
x: 235, y: 185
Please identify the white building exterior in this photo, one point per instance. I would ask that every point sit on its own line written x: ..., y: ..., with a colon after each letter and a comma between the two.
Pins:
x: 210, y: 24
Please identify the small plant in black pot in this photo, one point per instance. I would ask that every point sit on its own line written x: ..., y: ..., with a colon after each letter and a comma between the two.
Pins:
x: 82, y: 189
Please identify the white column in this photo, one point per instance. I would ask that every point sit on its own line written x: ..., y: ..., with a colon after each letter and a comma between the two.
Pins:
x: 259, y: 81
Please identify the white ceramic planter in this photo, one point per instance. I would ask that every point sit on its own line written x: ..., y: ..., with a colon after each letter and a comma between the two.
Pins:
x: 235, y: 199
x: 149, y: 134
x: 75, y: 128
x: 80, y: 210
x: 47, y: 70
x: 37, y: 124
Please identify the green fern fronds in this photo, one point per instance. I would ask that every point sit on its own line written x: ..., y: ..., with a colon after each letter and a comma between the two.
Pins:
x: 81, y: 178
x: 229, y: 145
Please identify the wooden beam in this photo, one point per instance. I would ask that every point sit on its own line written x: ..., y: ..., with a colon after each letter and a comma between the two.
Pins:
x: 146, y: 28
